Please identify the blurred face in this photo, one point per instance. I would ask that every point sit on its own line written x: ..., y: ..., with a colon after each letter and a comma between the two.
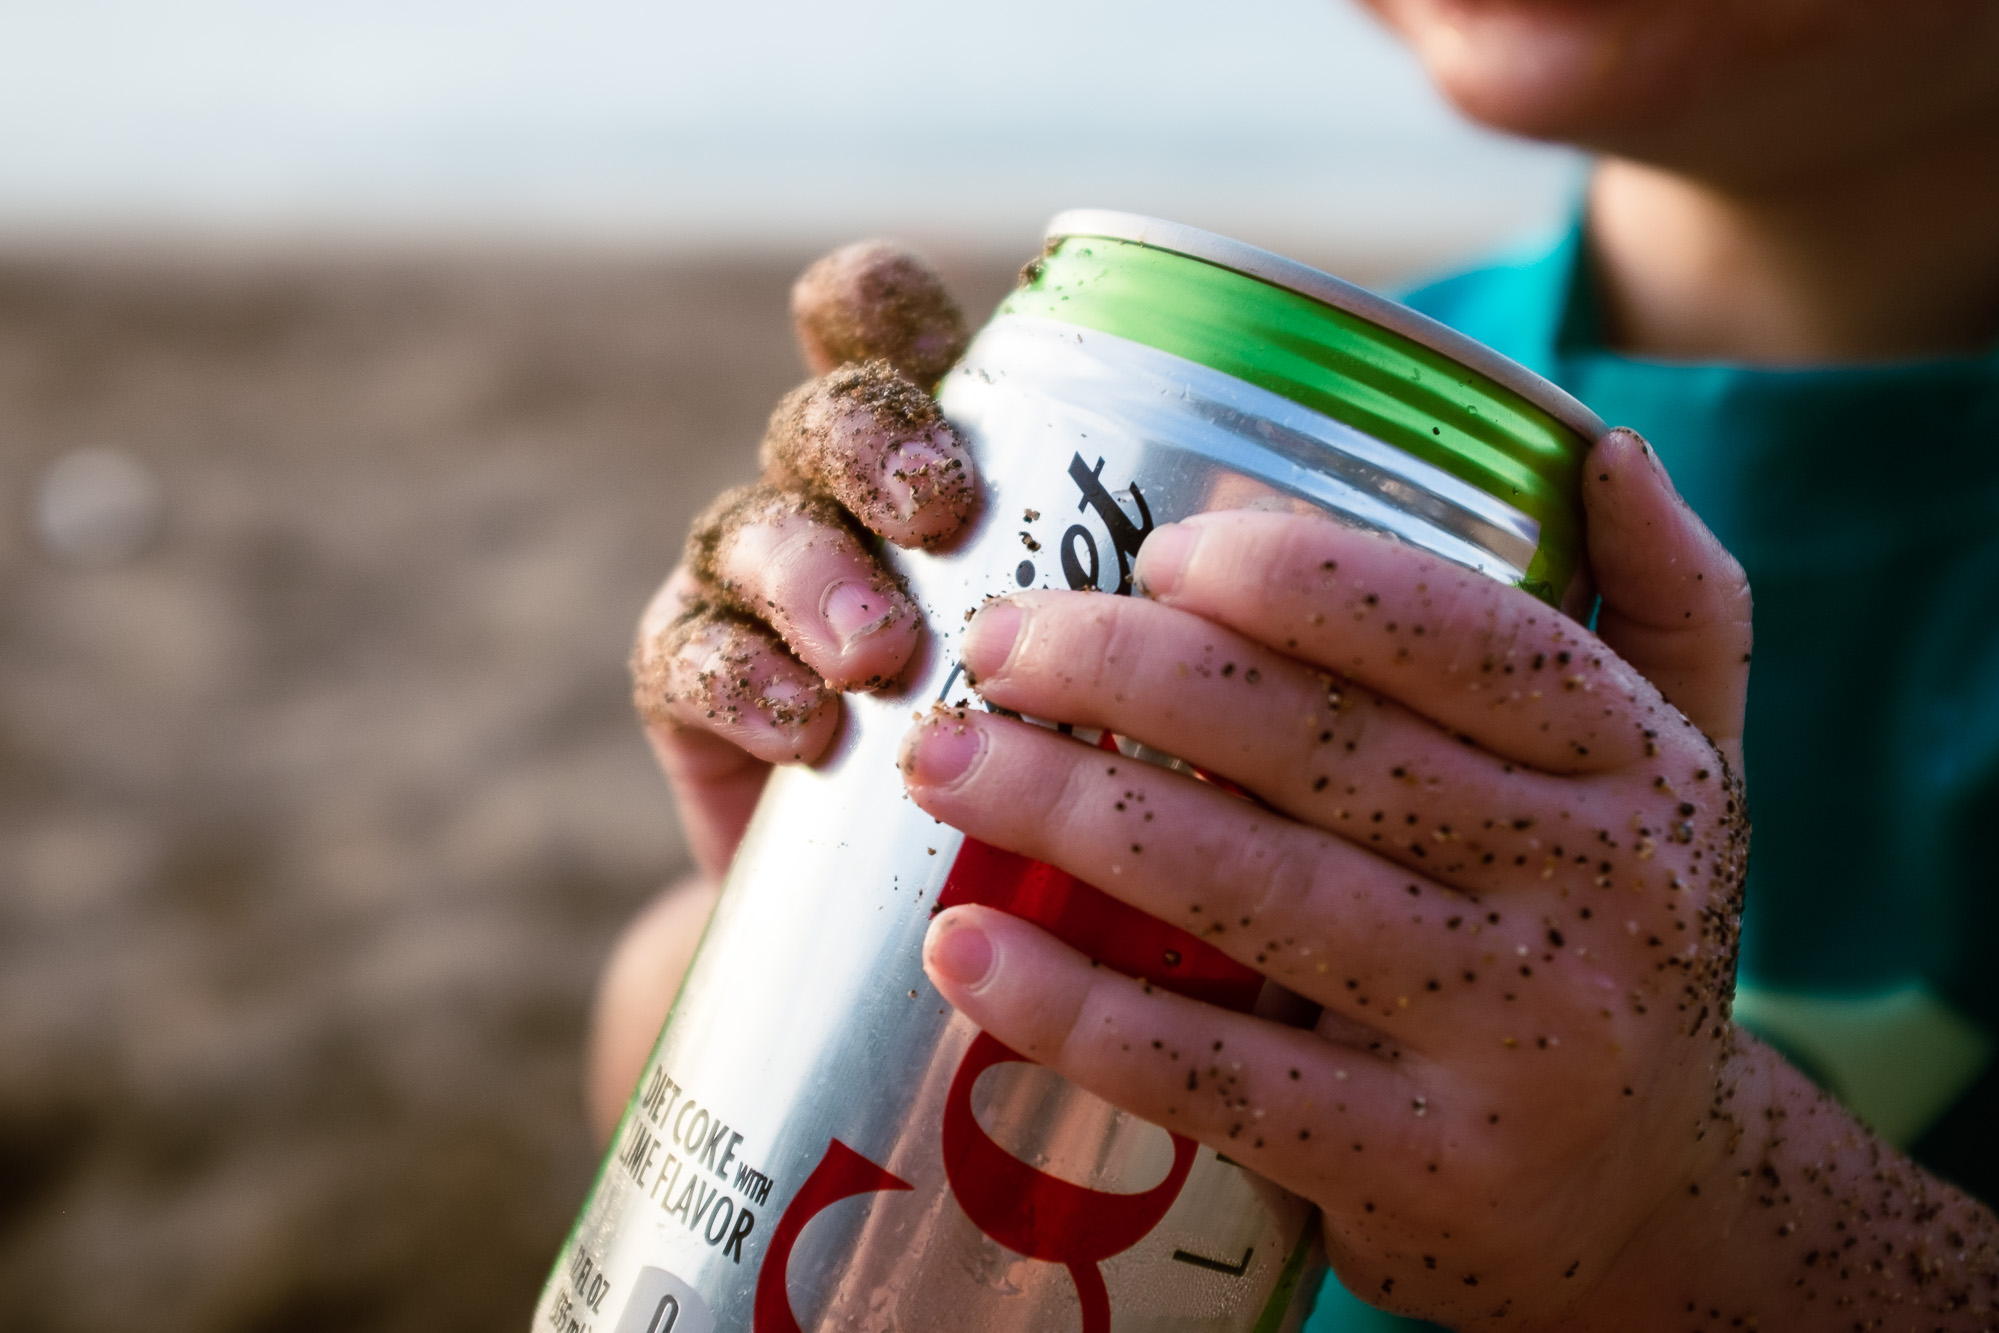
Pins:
x: 1749, y: 89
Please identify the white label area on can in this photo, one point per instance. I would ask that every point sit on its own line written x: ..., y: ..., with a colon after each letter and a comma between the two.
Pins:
x: 662, y: 1303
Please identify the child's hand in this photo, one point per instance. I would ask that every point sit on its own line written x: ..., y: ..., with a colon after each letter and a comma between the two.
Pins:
x: 1503, y: 853
x: 778, y: 604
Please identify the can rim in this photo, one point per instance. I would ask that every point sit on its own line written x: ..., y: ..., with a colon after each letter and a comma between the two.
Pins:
x: 1268, y: 266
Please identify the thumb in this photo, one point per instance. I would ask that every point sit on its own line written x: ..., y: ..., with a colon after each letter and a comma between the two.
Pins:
x: 1675, y: 602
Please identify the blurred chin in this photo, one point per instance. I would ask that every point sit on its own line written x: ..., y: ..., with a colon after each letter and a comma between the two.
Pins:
x: 1580, y: 71
x: 1746, y: 88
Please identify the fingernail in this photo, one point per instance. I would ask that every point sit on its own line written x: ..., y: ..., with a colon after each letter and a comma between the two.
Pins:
x: 941, y: 749
x: 788, y: 705
x: 960, y: 952
x: 1162, y: 557
x: 1651, y: 458
x: 990, y: 637
x: 918, y: 465
x: 854, y: 610
x: 1637, y: 442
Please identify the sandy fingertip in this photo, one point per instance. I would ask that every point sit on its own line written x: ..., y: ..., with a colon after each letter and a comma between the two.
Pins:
x: 879, y: 445
x: 878, y: 299
x: 942, y: 747
x: 957, y: 950
x: 716, y: 670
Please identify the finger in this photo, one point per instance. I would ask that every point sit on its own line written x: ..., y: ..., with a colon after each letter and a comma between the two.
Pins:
x: 1333, y: 754
x: 1479, y: 658
x: 715, y: 783
x: 1676, y: 604
x: 701, y: 668
x: 1331, y: 921
x: 793, y: 561
x: 876, y: 443
x: 877, y: 299
x: 1285, y: 1103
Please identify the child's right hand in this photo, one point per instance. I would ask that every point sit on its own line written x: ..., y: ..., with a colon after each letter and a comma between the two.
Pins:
x: 779, y: 602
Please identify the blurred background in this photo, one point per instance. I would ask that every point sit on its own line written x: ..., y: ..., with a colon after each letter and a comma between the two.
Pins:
x: 360, y: 368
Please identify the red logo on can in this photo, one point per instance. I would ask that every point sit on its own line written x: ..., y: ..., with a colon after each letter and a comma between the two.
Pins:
x: 1022, y: 1207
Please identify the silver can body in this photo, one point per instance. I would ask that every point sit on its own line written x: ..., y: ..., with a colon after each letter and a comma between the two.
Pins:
x: 819, y: 1141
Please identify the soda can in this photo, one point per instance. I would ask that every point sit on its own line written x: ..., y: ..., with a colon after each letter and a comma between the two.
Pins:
x: 818, y: 1140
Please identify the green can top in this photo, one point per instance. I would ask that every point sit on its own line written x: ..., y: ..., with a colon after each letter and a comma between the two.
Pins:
x: 1335, y: 348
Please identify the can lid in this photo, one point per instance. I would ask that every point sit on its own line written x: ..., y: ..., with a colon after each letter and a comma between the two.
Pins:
x: 1335, y: 348
x: 1322, y: 286
x: 1267, y: 266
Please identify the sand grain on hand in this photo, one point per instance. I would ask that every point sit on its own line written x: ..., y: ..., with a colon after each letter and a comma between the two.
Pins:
x: 879, y: 445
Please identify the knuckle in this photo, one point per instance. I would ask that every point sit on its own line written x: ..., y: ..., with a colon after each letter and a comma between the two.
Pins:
x: 819, y: 427
x: 1331, y: 729
x: 1259, y: 872
x: 708, y: 526
x: 1475, y: 617
x: 1081, y: 1027
x: 1281, y: 872
x: 1346, y: 735
x: 1294, y: 552
x: 880, y: 445
x: 1066, y: 642
x: 1735, y: 592
x: 1119, y: 640
x: 1071, y: 808
x: 1718, y: 594
x: 792, y: 563
x: 715, y: 525
x: 731, y: 546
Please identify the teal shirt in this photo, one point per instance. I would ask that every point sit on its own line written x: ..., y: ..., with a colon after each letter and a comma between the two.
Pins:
x: 1864, y: 503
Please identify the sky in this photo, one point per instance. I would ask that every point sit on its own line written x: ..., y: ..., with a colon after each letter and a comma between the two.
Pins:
x: 746, y: 122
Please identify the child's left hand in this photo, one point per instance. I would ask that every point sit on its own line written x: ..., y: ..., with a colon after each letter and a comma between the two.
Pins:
x: 1507, y: 867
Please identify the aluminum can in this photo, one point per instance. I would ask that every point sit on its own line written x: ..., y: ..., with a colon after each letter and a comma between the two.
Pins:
x: 818, y: 1140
